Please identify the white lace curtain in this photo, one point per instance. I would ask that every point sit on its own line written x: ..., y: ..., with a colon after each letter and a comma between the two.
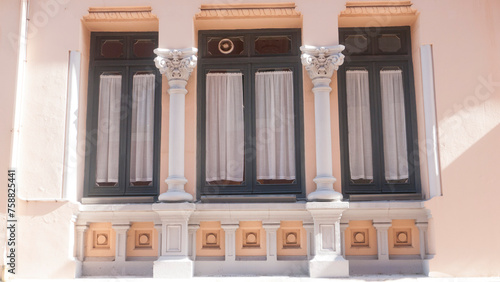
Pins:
x: 275, y: 125
x: 224, y: 127
x: 359, y: 125
x: 108, y: 137
x: 394, y: 125
x: 108, y: 126
x: 141, y: 148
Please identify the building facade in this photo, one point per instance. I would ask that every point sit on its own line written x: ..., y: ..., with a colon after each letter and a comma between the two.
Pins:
x: 314, y: 138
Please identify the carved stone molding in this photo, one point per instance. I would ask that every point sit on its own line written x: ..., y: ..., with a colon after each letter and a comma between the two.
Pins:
x: 176, y: 64
x: 105, y: 14
x: 321, y: 62
x: 378, y: 8
x: 211, y: 11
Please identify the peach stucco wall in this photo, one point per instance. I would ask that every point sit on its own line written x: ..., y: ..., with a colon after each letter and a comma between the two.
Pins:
x: 466, y: 39
x: 465, y: 36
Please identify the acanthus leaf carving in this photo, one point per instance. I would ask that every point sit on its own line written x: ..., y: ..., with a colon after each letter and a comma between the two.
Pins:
x: 176, y: 64
x: 321, y: 62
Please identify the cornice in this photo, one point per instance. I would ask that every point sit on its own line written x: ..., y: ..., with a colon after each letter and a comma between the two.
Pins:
x: 105, y: 14
x: 359, y: 8
x: 282, y: 10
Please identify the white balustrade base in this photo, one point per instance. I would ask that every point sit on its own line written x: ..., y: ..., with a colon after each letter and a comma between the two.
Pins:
x: 175, y: 222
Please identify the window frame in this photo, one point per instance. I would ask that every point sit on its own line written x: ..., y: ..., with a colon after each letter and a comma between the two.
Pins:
x: 127, y: 67
x: 373, y: 62
x: 249, y: 65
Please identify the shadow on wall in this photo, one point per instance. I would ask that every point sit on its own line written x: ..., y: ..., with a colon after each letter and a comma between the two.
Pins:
x: 468, y: 213
x: 37, y: 208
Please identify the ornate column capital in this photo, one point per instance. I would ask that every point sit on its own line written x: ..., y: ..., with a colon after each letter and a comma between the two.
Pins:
x: 321, y: 62
x: 176, y: 64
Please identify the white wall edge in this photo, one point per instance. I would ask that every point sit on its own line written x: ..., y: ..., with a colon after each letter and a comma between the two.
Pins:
x: 70, y: 145
x: 431, y: 134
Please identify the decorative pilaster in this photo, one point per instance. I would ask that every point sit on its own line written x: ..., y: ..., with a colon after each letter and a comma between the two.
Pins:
x: 422, y: 229
x: 177, y: 66
x: 230, y: 231
x: 159, y: 230
x: 271, y: 232
x: 192, y: 228
x: 310, y: 240
x: 321, y: 63
x: 382, y: 239
x: 80, y: 242
x: 121, y: 242
x: 343, y: 228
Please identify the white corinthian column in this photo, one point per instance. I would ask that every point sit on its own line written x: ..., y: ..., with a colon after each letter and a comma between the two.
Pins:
x: 320, y: 63
x: 177, y: 66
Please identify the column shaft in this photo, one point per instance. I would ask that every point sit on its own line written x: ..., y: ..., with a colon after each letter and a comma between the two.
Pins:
x: 177, y: 66
x: 320, y: 63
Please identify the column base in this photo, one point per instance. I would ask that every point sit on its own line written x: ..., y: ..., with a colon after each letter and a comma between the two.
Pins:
x: 171, y: 267
x: 175, y: 196
x: 328, y: 267
x: 325, y: 196
x: 324, y: 190
x: 175, y: 192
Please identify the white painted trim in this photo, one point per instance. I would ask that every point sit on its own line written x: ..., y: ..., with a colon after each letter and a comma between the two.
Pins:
x: 21, y: 65
x: 430, y: 117
x: 69, y: 190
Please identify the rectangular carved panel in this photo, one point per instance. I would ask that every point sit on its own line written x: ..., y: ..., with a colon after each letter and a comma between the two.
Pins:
x: 174, y: 237
x: 327, y: 237
x: 100, y: 240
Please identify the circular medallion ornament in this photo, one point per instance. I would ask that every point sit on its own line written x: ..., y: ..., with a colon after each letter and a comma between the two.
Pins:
x: 402, y: 237
x: 226, y: 46
x: 143, y: 239
x: 211, y: 239
x: 359, y: 237
x: 102, y: 239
